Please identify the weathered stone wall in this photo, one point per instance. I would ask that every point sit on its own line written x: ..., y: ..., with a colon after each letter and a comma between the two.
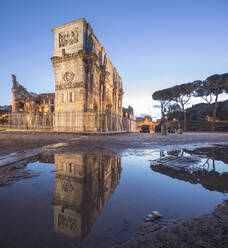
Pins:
x: 85, y: 79
x: 88, y: 89
x: 30, y: 110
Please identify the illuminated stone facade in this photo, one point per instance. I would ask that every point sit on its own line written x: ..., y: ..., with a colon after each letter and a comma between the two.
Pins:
x: 87, y: 85
x: 147, y: 120
x: 29, y: 102
x: 30, y: 109
x: 88, y: 89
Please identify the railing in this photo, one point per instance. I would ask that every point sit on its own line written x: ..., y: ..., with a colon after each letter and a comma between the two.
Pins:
x: 72, y: 122
x: 31, y: 121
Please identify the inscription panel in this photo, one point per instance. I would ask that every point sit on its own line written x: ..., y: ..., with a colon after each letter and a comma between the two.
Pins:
x: 69, y: 85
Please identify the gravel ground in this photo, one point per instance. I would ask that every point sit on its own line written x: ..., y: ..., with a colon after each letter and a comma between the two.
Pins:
x: 15, y: 141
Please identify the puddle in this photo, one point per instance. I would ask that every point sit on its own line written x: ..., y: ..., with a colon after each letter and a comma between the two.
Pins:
x: 100, y: 199
x: 207, y: 166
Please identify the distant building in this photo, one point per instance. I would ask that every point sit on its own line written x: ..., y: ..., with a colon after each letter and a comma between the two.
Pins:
x: 4, y: 112
x: 30, y: 110
x: 128, y: 113
x: 210, y: 118
x: 29, y: 102
x: 147, y: 120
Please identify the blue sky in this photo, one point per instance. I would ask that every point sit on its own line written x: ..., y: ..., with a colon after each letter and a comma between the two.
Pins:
x: 153, y: 44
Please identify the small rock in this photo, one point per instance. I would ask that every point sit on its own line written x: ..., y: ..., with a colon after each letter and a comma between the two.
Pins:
x: 156, y: 214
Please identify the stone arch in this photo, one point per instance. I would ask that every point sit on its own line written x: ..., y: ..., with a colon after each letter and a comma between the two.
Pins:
x: 22, y: 106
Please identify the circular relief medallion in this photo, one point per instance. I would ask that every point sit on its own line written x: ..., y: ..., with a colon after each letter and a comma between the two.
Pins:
x: 68, y: 76
x: 67, y: 187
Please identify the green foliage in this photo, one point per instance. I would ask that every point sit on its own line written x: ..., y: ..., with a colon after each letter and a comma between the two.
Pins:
x: 204, y: 126
x: 214, y: 85
x: 217, y: 83
x: 222, y: 110
x: 178, y: 93
x: 174, y: 108
x: 162, y: 95
x: 204, y: 92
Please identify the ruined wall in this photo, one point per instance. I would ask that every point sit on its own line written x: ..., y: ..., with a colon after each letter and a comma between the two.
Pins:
x: 30, y: 110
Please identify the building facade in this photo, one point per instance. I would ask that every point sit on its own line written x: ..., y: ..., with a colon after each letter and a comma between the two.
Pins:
x: 88, y: 88
x: 146, y: 120
x: 30, y: 110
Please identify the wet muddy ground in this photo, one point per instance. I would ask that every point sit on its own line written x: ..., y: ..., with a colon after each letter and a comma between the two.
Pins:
x: 209, y: 231
x: 15, y: 141
x: 100, y: 191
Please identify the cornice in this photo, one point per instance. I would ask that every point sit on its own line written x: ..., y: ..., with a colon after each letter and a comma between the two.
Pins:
x: 69, y: 24
x: 66, y: 57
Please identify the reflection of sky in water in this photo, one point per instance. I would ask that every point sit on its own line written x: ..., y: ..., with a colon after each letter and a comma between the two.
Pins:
x: 27, y: 215
x: 220, y: 167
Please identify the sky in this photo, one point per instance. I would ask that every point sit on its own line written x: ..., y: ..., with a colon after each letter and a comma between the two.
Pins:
x: 153, y: 44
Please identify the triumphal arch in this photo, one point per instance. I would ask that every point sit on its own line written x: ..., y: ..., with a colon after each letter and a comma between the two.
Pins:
x: 88, y: 88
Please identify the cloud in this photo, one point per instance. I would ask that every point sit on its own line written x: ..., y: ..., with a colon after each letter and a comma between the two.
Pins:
x: 156, y: 106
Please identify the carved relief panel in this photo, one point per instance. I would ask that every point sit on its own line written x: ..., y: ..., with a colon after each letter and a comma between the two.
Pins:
x: 69, y: 37
x: 68, y: 82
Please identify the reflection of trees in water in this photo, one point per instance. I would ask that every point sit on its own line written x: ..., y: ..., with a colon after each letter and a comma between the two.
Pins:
x: 213, y: 154
x: 195, y: 166
x: 83, y: 185
x: 208, y: 155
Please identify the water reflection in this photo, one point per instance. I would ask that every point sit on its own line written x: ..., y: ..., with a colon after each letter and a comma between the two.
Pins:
x: 17, y: 171
x: 83, y: 184
x: 75, y: 201
x: 206, y: 166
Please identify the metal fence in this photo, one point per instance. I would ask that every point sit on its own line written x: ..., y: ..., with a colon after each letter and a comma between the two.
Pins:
x: 31, y: 121
x: 72, y: 122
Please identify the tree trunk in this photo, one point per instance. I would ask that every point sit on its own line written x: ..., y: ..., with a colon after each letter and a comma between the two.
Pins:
x: 214, y: 113
x: 185, y: 118
x: 185, y: 121
x: 162, y: 110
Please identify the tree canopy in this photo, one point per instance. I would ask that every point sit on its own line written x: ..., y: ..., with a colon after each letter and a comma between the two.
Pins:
x: 211, y: 87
